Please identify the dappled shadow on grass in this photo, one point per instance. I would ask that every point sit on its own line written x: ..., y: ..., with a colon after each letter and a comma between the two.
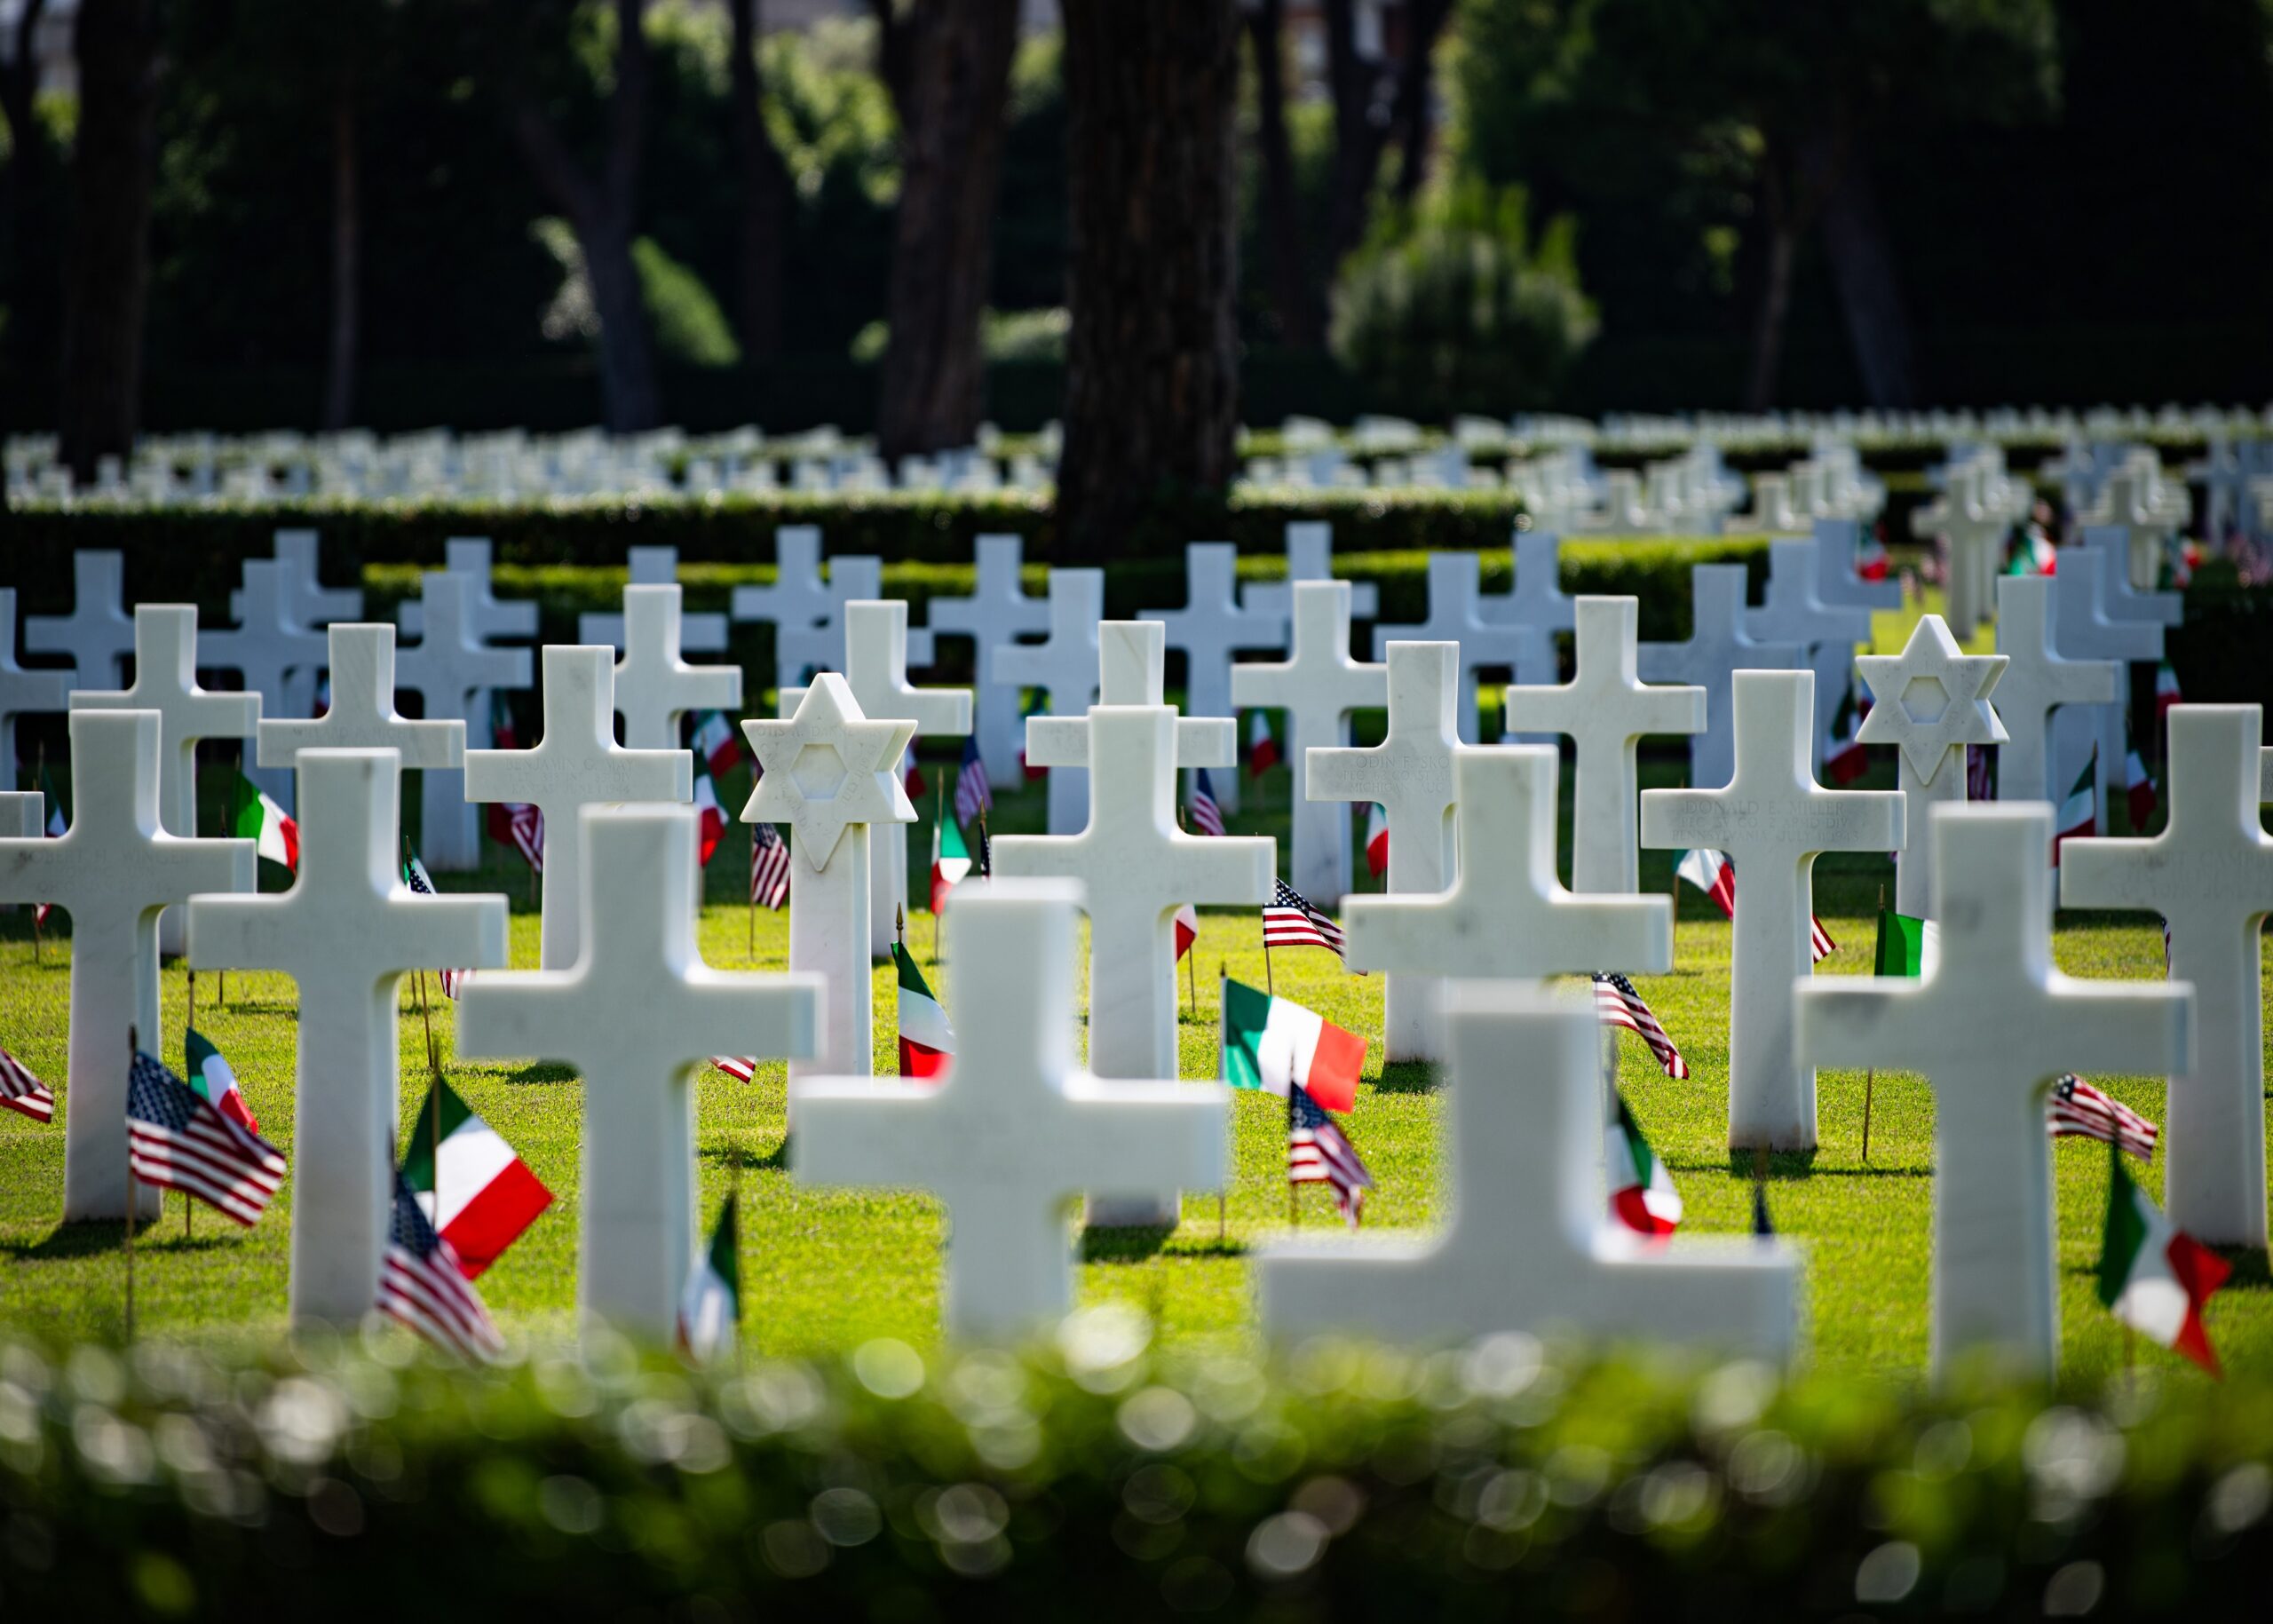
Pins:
x: 2251, y: 1271
x: 100, y: 1237
x: 1124, y: 1244
x: 1776, y: 1164
x: 542, y: 1070
x: 748, y: 1158
x: 1407, y: 1077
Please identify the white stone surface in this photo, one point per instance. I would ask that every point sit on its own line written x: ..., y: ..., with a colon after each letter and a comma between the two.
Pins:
x: 831, y: 774
x: 361, y: 715
x: 1318, y: 685
x: 277, y: 657
x: 2085, y: 631
x: 577, y: 764
x: 797, y: 600
x: 1210, y: 628
x: 698, y: 634
x: 1772, y: 820
x: 486, y: 617
x: 2122, y: 600
x: 1929, y: 701
x: 1064, y: 666
x: 1718, y: 647
x: 453, y: 672
x: 346, y: 933
x: 636, y: 1012
x: 998, y: 612
x: 1457, y: 615
x: 96, y: 636
x: 22, y: 693
x: 1310, y: 557
x: 2038, y: 680
x: 1837, y: 580
x: 1605, y: 709
x: 2209, y: 874
x: 1013, y: 1130
x: 112, y: 871
x: 1528, y: 1245
x: 1409, y: 775
x: 1135, y: 867
x: 821, y: 646
x: 1793, y: 610
x: 654, y: 686
x: 23, y: 815
x: 1990, y: 1026
x: 1132, y: 662
x: 306, y: 598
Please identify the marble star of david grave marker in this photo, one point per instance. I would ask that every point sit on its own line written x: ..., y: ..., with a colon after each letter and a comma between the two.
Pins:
x: 1718, y: 647
x: 97, y: 634
x: 1456, y: 614
x: 306, y: 598
x: 22, y: 693
x: 2037, y: 682
x: 112, y: 871
x: 453, y: 672
x: 654, y: 686
x: 1605, y: 709
x: 1409, y: 775
x: 832, y: 775
x: 1929, y: 701
x: 1528, y: 1246
x: 2083, y: 630
x: 796, y: 600
x: 1132, y: 666
x: 2209, y: 874
x: 2120, y: 600
x: 277, y: 657
x: 346, y: 932
x: 1013, y: 1130
x: 998, y: 612
x: 165, y: 680
x: 1793, y: 612
x: 485, y: 616
x: 875, y: 670
x: 1537, y: 607
x: 1310, y: 557
x: 577, y: 764
x: 1210, y: 629
x: 1990, y: 1026
x: 1318, y: 685
x: 1136, y: 868
x: 1064, y: 668
x: 698, y: 634
x: 1772, y: 819
x: 636, y: 1012
x: 1838, y: 581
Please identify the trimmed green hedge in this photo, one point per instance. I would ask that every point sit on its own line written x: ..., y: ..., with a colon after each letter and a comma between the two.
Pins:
x: 1095, y: 1478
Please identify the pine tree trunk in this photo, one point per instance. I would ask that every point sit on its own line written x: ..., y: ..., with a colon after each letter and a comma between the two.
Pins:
x: 116, y: 42
x: 1358, y: 136
x: 1775, y: 292
x: 628, y: 392
x: 1861, y: 271
x: 347, y: 260
x: 1301, y: 325
x: 762, y: 231
x: 953, y: 113
x: 1151, y: 376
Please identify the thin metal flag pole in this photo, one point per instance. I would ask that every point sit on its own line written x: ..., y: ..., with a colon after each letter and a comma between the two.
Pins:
x: 735, y: 1206
x: 1871, y: 1077
x: 38, y: 941
x: 753, y: 893
x: 1294, y: 1190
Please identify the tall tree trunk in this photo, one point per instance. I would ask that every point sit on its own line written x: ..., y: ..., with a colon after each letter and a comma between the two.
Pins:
x: 958, y: 73
x: 116, y: 45
x: 1861, y: 269
x: 1775, y: 288
x: 1152, y: 375
x: 346, y: 258
x: 19, y: 94
x: 762, y: 229
x: 627, y: 364
x: 1300, y: 324
x: 1408, y: 122
x: 1360, y: 131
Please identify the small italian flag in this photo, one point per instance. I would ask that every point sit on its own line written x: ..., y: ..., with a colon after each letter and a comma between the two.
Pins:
x: 926, y: 1041
x: 715, y: 740
x: 210, y: 1076
x: 1642, y: 1196
x: 253, y: 817
x: 1187, y: 929
x: 2167, y: 693
x: 1271, y: 1043
x: 911, y: 775
x: 710, y: 1304
x: 1262, y: 749
x: 2138, y: 784
x: 1871, y: 559
x: 1376, y: 839
x: 487, y: 1195
x: 2153, y: 1277
x: 2080, y: 810
x: 1034, y: 708
x: 710, y: 817
x: 950, y: 860
x: 1712, y: 873
x: 1844, y: 755
x: 1906, y: 947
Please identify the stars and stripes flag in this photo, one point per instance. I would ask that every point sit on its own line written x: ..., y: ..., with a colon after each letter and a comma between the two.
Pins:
x: 422, y: 1286
x: 768, y: 866
x: 741, y: 1068
x: 421, y: 884
x: 1291, y: 919
x: 1618, y: 1004
x: 1318, y: 1152
x: 1206, y: 817
x: 972, y: 794
x: 525, y: 832
x: 2076, y: 1110
x: 21, y: 1091
x: 1820, y: 942
x: 176, y: 1141
x: 1715, y: 875
x: 498, y: 818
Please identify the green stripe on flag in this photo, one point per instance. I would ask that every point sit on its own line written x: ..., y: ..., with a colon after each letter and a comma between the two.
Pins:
x: 1247, y: 1011
x: 2125, y: 1233
x: 418, y: 1161
x: 1902, y: 944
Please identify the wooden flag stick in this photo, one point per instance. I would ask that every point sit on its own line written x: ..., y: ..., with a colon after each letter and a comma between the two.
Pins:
x: 133, y: 1193
x: 735, y: 1206
x: 47, y: 815
x: 1294, y: 1190
x: 1871, y: 1077
x: 753, y: 893
x: 188, y: 1022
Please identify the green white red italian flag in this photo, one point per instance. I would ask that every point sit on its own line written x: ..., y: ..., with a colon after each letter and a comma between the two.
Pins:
x: 711, y: 1303
x: 2154, y: 1277
x: 2078, y: 818
x: 710, y: 817
x: 1642, y: 1196
x: 926, y: 1041
x: 1272, y: 1044
x: 253, y: 817
x: 477, y: 1192
x: 210, y: 1076
x: 950, y: 859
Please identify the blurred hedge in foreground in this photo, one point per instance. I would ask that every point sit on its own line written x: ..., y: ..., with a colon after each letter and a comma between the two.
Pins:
x: 1099, y: 1479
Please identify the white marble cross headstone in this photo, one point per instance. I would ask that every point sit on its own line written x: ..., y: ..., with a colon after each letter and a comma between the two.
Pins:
x: 1528, y: 1246
x: 1013, y: 1130
x: 22, y: 693
x: 276, y: 655
x: 637, y: 1011
x: 1793, y: 612
x: 797, y: 598
x: 1837, y: 582
x: 485, y: 616
x: 998, y: 612
x: 1929, y: 701
x: 1606, y: 709
x: 1318, y: 685
x: 2120, y: 600
x: 1537, y: 607
x: 1210, y: 629
x: 821, y: 646
x: 1064, y: 668
x: 1456, y: 614
x: 1772, y: 819
x: 832, y: 775
x: 1718, y: 647
x: 1991, y: 1025
x: 361, y: 715
x: 1132, y: 670
x: 452, y: 671
x: 2209, y: 874
x: 2085, y: 631
x: 97, y: 634
x: 306, y: 598
x: 698, y: 634
x: 346, y: 932
x: 576, y: 764
x: 23, y: 815
x: 2038, y: 680
x: 1310, y: 557
x: 654, y: 686
x: 112, y: 871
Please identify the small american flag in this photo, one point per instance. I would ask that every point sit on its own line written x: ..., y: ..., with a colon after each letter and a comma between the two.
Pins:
x: 20, y: 1091
x: 423, y: 1286
x: 421, y: 884
x: 768, y: 866
x: 1206, y: 817
x: 972, y: 796
x: 1819, y: 939
x: 1290, y: 920
x: 2079, y: 1111
x: 1317, y: 1153
x: 1618, y: 1004
x: 524, y: 827
x: 741, y: 1068
x: 176, y: 1141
